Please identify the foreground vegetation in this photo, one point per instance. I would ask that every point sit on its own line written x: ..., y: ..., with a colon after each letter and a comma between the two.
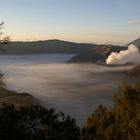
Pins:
x: 36, y: 123
x: 122, y: 122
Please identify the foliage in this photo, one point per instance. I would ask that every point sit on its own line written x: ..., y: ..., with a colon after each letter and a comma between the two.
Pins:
x: 122, y: 122
x: 36, y: 123
x: 3, y: 40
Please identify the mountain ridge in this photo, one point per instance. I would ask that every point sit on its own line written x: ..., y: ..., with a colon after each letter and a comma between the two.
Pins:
x: 85, y: 52
x: 98, y: 54
x: 46, y: 46
x: 135, y: 42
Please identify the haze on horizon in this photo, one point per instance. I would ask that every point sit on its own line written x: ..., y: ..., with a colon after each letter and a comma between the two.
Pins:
x: 93, y: 21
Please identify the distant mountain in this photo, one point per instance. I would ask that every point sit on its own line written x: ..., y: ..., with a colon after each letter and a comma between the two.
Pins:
x: 85, y: 52
x: 48, y: 46
x: 97, y: 54
x: 101, y: 52
x: 135, y: 42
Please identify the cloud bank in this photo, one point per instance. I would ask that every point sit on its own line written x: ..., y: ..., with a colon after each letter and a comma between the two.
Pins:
x: 134, y: 22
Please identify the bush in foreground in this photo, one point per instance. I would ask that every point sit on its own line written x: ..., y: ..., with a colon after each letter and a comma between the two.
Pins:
x: 122, y: 122
x: 36, y: 123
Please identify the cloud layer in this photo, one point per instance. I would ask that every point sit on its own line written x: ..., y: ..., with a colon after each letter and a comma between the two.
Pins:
x: 134, y: 22
x: 76, y: 89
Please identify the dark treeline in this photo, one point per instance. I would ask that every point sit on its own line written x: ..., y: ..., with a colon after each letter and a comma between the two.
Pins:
x: 36, y: 123
x: 121, y: 122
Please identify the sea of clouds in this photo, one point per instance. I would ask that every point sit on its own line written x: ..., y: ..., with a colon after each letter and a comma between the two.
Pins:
x: 76, y: 89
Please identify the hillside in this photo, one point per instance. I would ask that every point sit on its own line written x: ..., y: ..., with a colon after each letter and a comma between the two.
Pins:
x: 85, y: 52
x: 48, y: 46
x: 134, y: 71
x: 135, y: 42
x: 97, y: 54
x: 12, y: 97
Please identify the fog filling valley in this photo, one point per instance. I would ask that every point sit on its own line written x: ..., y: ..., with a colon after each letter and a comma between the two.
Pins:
x: 76, y: 89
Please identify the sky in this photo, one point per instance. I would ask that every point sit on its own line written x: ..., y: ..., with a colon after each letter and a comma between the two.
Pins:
x: 92, y: 21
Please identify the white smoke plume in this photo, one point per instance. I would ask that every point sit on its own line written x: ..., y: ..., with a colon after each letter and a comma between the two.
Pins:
x: 131, y: 55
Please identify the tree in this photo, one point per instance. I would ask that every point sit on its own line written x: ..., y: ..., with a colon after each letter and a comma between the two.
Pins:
x: 36, y: 123
x: 3, y: 40
x: 121, y: 122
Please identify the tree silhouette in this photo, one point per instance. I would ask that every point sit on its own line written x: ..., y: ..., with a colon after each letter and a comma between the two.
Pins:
x: 122, y: 122
x: 36, y: 123
x: 3, y: 40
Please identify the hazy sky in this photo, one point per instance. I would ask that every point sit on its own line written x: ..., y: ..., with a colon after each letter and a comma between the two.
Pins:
x: 99, y: 21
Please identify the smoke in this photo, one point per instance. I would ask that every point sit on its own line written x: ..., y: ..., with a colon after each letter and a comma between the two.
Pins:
x: 131, y: 55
